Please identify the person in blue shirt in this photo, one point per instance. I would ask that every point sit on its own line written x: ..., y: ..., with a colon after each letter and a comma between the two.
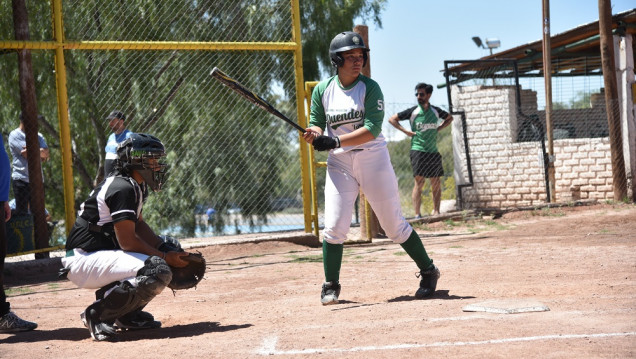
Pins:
x: 20, y: 174
x: 210, y: 212
x: 9, y: 322
x: 117, y: 123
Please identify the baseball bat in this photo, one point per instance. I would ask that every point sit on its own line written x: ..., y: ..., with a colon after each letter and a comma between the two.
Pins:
x: 252, y: 97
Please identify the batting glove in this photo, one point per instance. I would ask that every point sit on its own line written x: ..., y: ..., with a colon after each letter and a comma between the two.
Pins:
x: 326, y: 143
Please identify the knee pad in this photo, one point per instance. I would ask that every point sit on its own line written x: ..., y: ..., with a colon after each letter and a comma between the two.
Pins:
x: 122, y: 299
x: 153, y: 277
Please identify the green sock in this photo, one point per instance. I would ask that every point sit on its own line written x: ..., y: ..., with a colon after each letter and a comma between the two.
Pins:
x: 332, y: 259
x: 415, y: 249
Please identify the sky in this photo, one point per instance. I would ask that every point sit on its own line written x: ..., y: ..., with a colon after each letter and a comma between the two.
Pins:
x: 417, y: 36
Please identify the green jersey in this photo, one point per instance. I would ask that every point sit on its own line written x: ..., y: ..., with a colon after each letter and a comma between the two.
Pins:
x: 424, y: 123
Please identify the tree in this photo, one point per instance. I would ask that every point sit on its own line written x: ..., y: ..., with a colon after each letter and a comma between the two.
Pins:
x: 322, y: 19
x: 217, y: 148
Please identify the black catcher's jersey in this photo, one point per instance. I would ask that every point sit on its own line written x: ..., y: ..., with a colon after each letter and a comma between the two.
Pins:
x: 116, y: 199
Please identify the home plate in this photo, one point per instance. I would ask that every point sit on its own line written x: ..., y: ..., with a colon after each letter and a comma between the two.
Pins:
x: 510, y: 306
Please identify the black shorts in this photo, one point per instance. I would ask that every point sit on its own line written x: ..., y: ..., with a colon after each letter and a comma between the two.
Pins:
x: 426, y: 164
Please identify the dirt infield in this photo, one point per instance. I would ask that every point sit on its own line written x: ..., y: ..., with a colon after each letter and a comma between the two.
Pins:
x: 262, y: 299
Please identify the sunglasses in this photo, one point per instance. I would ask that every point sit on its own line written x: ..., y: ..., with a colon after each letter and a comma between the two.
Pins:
x: 420, y: 94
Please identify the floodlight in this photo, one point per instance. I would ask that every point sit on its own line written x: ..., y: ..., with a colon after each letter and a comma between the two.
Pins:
x: 477, y: 41
x: 493, y: 43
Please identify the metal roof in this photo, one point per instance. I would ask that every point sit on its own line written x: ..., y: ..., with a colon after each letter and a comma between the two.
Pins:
x: 575, y: 52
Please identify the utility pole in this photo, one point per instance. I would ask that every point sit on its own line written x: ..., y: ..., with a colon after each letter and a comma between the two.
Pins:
x: 547, y: 75
x: 29, y: 107
x: 619, y: 179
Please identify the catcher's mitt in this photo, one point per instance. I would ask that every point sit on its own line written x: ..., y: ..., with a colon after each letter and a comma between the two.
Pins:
x: 190, y: 275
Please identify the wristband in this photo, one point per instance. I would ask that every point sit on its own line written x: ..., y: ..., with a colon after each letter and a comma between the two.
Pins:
x: 337, y: 142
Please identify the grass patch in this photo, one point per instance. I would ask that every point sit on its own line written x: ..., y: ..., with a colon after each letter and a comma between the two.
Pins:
x: 451, y: 223
x: 485, y: 225
x: 420, y: 226
x: 402, y: 253
x: 306, y: 259
x: 18, y: 291
x: 548, y: 212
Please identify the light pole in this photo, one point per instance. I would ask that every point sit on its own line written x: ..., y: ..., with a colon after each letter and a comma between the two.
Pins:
x: 490, y: 43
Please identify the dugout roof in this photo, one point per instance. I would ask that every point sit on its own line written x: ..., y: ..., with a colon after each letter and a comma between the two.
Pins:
x: 575, y: 52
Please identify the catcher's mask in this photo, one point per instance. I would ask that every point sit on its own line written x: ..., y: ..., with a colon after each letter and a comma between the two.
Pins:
x: 346, y: 41
x: 145, y: 154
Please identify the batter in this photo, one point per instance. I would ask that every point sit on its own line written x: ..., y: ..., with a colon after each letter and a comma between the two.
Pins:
x: 350, y: 107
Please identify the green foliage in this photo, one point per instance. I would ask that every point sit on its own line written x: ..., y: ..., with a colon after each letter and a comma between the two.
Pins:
x: 246, y: 158
x: 321, y: 20
x: 579, y: 101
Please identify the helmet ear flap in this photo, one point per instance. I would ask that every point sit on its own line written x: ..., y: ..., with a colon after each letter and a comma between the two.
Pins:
x: 337, y: 60
x: 127, y: 159
x: 123, y: 154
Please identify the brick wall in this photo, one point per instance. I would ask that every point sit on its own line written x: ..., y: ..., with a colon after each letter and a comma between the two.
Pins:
x: 507, y: 173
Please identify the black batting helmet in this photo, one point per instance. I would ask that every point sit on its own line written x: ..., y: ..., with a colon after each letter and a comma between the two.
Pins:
x: 137, y: 153
x: 345, y: 41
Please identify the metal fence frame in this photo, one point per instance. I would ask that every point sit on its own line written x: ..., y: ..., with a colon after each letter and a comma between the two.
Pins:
x: 59, y: 45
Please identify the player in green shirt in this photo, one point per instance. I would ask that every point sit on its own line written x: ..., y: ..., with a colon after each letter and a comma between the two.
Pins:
x: 426, y: 120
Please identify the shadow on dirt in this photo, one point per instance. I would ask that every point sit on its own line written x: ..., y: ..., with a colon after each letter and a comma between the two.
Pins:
x: 439, y: 294
x: 79, y: 334
x: 179, y: 331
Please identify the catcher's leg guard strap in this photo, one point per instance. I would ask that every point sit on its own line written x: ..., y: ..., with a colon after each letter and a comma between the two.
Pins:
x: 124, y: 298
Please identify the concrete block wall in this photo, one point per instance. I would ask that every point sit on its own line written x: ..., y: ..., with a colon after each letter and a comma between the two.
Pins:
x: 507, y: 173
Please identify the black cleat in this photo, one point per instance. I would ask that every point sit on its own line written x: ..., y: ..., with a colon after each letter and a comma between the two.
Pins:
x: 428, y: 283
x: 330, y: 293
x: 100, y: 331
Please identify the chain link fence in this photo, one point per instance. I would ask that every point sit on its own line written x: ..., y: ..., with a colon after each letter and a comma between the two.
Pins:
x: 399, y: 148
x: 234, y: 168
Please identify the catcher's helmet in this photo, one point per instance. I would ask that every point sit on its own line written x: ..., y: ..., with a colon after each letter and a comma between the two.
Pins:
x: 346, y: 41
x: 142, y: 153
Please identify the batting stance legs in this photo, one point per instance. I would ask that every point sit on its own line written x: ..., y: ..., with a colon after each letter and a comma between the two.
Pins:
x: 371, y: 171
x: 130, y: 283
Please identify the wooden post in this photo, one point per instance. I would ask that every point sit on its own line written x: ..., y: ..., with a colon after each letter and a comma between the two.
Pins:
x: 619, y: 179
x: 547, y: 76
x: 29, y: 107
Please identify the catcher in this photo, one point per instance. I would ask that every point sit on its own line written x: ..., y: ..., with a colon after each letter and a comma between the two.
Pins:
x: 110, y: 248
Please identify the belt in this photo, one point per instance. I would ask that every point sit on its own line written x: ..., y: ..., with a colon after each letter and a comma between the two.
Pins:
x: 357, y: 149
x: 91, y: 227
